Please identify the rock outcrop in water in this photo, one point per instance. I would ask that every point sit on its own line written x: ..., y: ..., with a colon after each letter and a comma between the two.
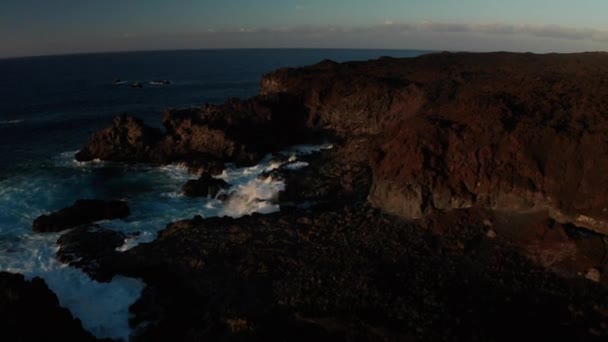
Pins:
x: 127, y: 140
x: 204, y: 186
x: 464, y: 200
x: 88, y: 247
x: 82, y: 212
x: 29, y: 311
x: 237, y: 131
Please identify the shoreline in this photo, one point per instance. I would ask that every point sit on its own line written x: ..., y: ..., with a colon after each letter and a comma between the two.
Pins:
x: 424, y: 215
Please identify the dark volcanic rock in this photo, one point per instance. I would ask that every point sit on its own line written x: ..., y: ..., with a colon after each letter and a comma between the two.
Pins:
x: 352, y: 274
x: 504, y: 131
x: 454, y: 130
x: 88, y: 248
x: 29, y: 311
x: 237, y: 131
x: 212, y: 167
x: 338, y: 175
x: 501, y: 130
x: 204, y: 186
x: 496, y: 161
x: 127, y: 139
x: 82, y: 212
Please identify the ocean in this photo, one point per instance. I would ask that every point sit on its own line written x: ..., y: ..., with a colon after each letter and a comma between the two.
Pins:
x: 51, y: 105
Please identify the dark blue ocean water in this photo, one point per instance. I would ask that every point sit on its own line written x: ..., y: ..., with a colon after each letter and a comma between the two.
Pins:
x: 49, y: 108
x: 52, y: 104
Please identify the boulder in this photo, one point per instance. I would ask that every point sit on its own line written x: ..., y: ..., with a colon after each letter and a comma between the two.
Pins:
x: 204, y: 186
x: 80, y: 213
x: 88, y: 248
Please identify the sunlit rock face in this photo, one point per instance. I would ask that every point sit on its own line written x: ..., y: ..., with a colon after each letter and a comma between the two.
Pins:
x: 240, y: 131
x: 504, y: 131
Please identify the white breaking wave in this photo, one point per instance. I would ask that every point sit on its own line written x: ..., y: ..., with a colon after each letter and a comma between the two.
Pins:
x: 250, y: 194
x: 10, y: 122
x: 296, y: 165
x: 254, y: 196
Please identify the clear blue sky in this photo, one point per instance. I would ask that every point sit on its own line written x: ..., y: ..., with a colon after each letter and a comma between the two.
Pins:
x: 30, y: 27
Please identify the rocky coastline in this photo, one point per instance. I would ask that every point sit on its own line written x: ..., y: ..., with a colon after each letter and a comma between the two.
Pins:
x: 464, y: 200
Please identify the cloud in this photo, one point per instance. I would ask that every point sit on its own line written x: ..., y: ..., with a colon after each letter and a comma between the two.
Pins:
x: 390, y: 34
x: 391, y: 27
x: 534, y: 30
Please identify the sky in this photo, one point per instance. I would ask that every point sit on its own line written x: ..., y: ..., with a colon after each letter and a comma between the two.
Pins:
x: 41, y: 27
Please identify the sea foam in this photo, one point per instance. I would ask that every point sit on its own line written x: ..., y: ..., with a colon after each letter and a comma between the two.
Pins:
x: 10, y: 122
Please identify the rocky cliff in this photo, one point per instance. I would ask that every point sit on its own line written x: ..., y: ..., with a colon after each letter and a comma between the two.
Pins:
x: 464, y: 200
x: 503, y: 131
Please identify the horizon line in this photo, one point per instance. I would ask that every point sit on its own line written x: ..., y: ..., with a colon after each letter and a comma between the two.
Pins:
x: 108, y: 52
x: 117, y: 52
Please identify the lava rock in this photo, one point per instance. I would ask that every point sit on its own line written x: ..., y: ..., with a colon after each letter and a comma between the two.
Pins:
x: 88, y: 248
x: 29, y: 311
x: 460, y: 129
x: 350, y: 274
x: 239, y: 131
x: 80, y: 213
x: 204, y: 186
x: 128, y: 140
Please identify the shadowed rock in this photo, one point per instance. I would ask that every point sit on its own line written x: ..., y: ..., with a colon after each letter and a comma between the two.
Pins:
x: 88, y: 248
x: 204, y: 186
x: 127, y: 139
x: 355, y: 274
x: 29, y: 311
x: 237, y: 131
x: 82, y: 212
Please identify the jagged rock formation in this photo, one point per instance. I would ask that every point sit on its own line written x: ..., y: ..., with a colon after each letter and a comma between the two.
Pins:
x: 80, y: 213
x: 127, y: 139
x: 88, y: 247
x: 204, y: 186
x: 237, y: 131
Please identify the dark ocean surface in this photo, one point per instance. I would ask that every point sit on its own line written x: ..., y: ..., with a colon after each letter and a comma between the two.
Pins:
x: 49, y: 108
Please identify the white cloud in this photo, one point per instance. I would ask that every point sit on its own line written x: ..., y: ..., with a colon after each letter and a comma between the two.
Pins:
x: 543, y: 31
x: 389, y: 27
x: 426, y: 35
